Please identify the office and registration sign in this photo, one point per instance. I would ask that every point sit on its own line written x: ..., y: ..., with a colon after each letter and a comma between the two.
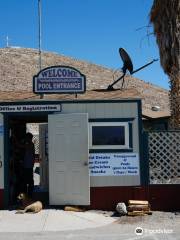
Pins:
x: 30, y: 108
x: 59, y: 79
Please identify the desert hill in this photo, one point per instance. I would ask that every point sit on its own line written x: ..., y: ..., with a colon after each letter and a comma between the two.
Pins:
x: 19, y: 65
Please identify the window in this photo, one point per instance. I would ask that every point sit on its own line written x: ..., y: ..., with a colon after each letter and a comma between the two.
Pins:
x: 109, y: 135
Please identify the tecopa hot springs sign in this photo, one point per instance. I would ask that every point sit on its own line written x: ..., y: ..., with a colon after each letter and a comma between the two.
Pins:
x: 59, y: 79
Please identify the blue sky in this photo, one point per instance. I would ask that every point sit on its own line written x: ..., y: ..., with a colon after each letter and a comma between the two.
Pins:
x: 91, y: 30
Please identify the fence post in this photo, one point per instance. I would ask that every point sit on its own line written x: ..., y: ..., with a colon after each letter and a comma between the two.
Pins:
x: 144, y: 165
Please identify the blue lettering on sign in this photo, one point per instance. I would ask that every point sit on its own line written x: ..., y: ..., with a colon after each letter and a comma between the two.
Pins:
x: 113, y: 164
x: 59, y: 84
x: 59, y: 79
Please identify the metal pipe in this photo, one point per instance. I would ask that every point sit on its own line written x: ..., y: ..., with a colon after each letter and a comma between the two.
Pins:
x: 154, y: 60
x: 39, y: 31
x: 110, y: 87
x: 40, y: 39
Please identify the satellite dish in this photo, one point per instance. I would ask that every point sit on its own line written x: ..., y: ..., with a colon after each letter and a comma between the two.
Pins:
x: 127, y: 66
x: 126, y: 60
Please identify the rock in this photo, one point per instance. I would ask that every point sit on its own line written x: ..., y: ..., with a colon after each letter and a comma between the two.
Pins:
x: 121, y: 208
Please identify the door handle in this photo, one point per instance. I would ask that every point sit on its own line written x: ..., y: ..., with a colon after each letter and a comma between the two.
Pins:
x: 86, y: 164
x: 0, y: 164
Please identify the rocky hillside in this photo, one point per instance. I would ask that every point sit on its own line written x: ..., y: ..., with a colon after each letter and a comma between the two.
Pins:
x: 18, y: 65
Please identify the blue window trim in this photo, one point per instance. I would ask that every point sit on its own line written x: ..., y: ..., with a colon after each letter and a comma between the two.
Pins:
x: 36, y: 101
x: 111, y: 119
x: 130, y: 135
x: 143, y: 159
x: 6, y: 162
x: 110, y: 150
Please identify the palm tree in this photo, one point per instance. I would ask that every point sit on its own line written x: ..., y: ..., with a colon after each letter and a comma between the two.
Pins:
x: 165, y: 17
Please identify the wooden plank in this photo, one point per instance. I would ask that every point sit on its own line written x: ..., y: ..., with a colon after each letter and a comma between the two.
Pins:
x: 132, y: 208
x: 139, y: 213
x: 73, y: 209
x: 138, y: 202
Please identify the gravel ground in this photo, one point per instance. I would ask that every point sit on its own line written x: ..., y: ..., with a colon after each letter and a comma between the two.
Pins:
x: 165, y: 223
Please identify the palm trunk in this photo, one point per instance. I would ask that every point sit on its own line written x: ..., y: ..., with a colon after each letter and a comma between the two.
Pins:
x: 165, y: 16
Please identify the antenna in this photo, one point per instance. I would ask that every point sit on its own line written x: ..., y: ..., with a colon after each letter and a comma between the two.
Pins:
x: 39, y: 19
x: 7, y: 41
x: 40, y: 40
x: 127, y: 65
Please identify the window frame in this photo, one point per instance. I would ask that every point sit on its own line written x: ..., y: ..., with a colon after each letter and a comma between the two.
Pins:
x: 120, y: 124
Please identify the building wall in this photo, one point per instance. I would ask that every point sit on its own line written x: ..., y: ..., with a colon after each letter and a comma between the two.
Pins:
x: 106, y: 110
x: 111, y: 110
x: 1, y: 159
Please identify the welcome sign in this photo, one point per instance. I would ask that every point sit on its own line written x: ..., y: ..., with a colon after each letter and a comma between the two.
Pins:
x: 59, y: 79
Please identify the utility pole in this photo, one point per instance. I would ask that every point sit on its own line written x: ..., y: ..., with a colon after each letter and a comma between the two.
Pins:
x: 40, y: 37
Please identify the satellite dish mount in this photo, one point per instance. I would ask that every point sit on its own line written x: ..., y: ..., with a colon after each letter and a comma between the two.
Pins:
x: 127, y: 65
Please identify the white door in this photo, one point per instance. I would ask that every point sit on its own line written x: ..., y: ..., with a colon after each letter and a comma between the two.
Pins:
x: 69, y: 181
x: 1, y: 152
